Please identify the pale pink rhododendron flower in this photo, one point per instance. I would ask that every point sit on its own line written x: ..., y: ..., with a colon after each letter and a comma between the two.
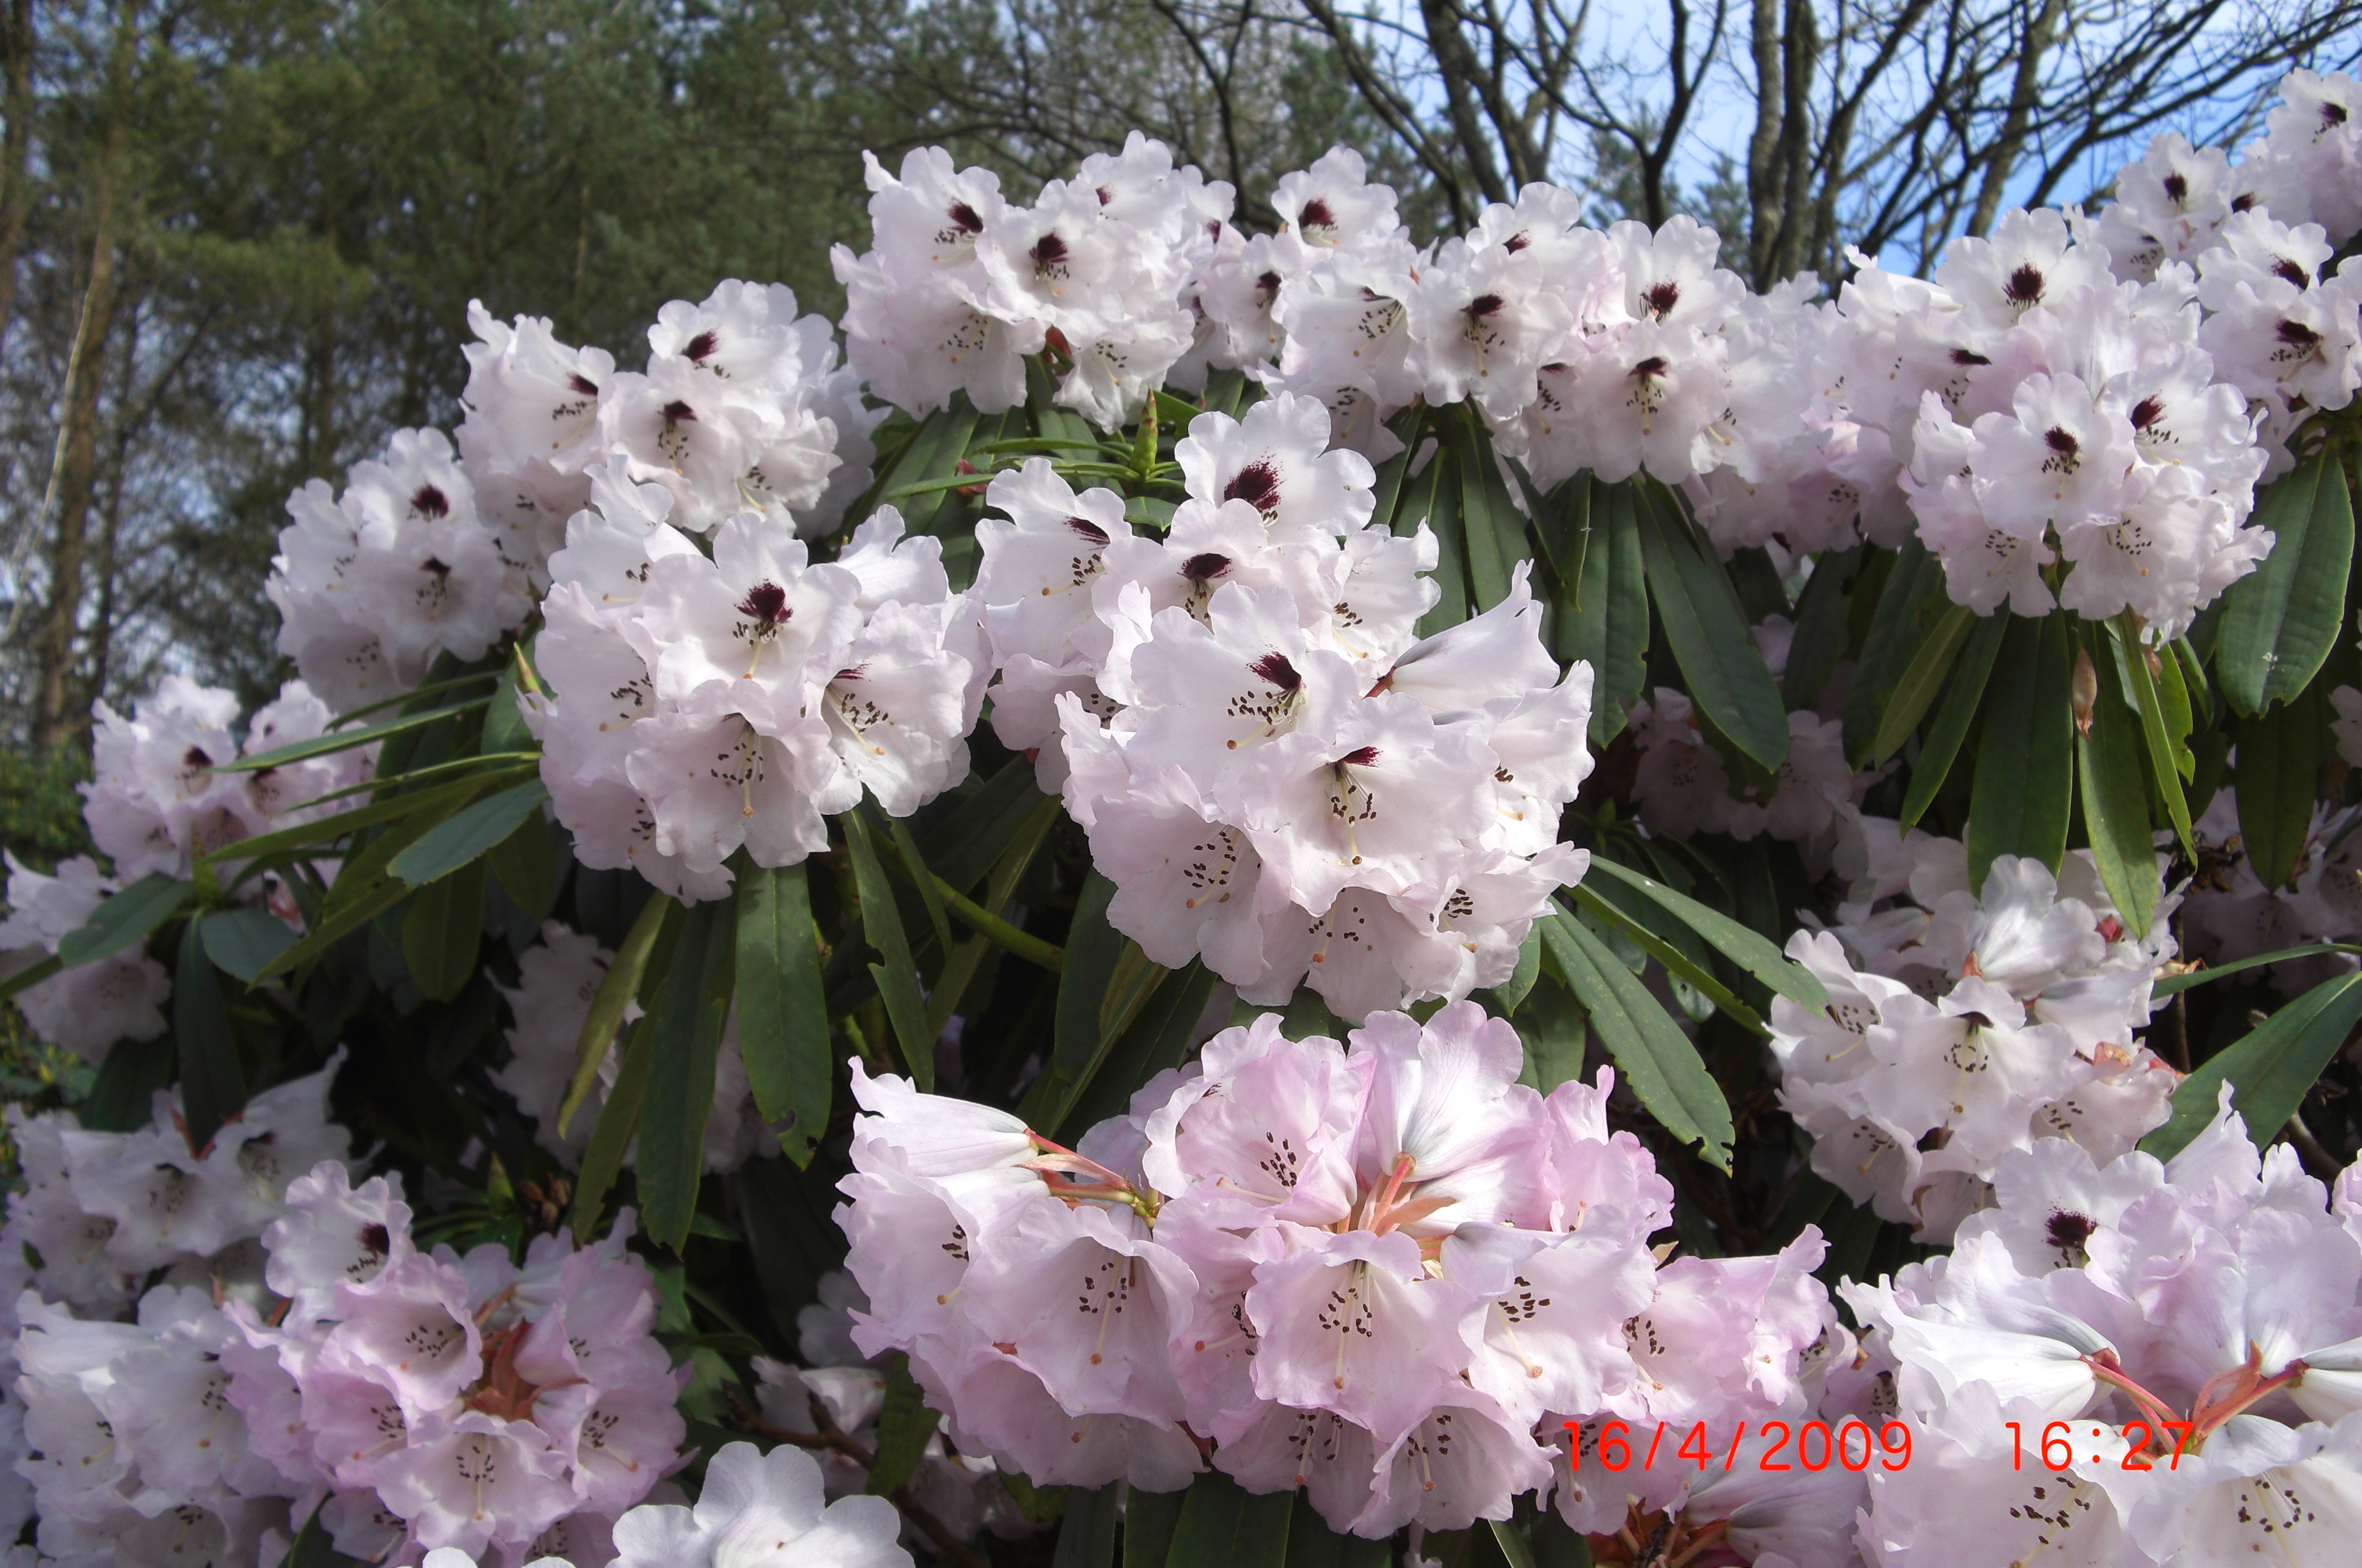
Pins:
x: 1386, y: 1271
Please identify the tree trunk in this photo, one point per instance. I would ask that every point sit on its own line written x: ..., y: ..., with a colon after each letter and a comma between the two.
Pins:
x: 16, y: 149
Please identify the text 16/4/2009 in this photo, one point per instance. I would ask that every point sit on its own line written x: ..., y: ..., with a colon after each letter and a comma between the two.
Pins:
x: 1856, y: 1445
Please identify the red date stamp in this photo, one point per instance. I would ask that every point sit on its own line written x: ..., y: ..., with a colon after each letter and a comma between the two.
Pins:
x: 1813, y: 1446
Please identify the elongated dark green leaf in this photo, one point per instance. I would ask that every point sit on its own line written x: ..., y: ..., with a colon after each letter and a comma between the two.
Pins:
x: 1511, y: 992
x: 1738, y: 943
x: 1395, y: 472
x: 976, y: 833
x: 2024, y: 785
x: 1086, y: 1535
x: 2270, y: 1071
x: 1312, y: 1545
x: 618, y: 1124
x: 692, y: 1005
x: 259, y: 849
x: 1820, y: 637
x: 366, y: 885
x: 1707, y: 630
x: 1494, y: 528
x: 1656, y: 1059
x: 904, y: 1424
x: 1440, y: 511
x: 2165, y: 749
x: 1096, y: 965
x: 2115, y: 791
x: 1677, y: 963
x: 1222, y: 1525
x: 442, y: 931
x: 929, y: 899
x: 1910, y: 576
x: 954, y: 429
x: 122, y: 1097
x: 1963, y: 695
x: 2166, y: 985
x: 782, y: 1010
x: 30, y: 976
x: 213, y: 1081
x: 897, y: 977
x: 2280, y: 622
x: 344, y: 740
x: 1148, y: 1521
x: 1606, y: 625
x: 125, y: 920
x: 617, y: 992
x: 1512, y: 1542
x: 1914, y: 690
x: 468, y: 835
x: 1158, y: 1038
x: 525, y: 865
x: 240, y: 942
x: 504, y: 728
x: 2279, y: 771
x: 1555, y: 1032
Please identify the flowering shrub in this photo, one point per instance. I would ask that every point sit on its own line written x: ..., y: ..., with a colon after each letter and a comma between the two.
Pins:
x: 1255, y: 894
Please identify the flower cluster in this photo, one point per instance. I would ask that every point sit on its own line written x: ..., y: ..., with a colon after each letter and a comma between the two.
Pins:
x: 2129, y: 1363
x: 432, y: 550
x: 114, y: 1433
x: 1273, y: 773
x: 1389, y: 1273
x: 1963, y: 1024
x: 700, y: 703
x: 441, y: 1399
x: 963, y: 285
x: 154, y: 806
x: 556, y: 980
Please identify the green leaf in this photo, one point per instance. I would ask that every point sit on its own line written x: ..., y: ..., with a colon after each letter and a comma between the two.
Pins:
x: 617, y: 992
x: 1707, y: 630
x: 1911, y: 578
x: 1438, y: 500
x: 2269, y: 1070
x: 1963, y: 695
x: 1657, y: 1059
x: 953, y: 428
x: 366, y: 885
x: 525, y: 865
x: 256, y: 851
x: 2025, y: 781
x: 692, y: 1005
x: 1221, y: 1526
x: 1087, y: 1536
x: 122, y: 1096
x: 442, y: 931
x: 2166, y: 985
x: 782, y: 1010
x: 1678, y: 964
x: 929, y: 898
x: 1509, y: 993
x: 1512, y: 1543
x: 470, y: 834
x: 2280, y: 621
x: 1158, y: 1038
x: 2165, y: 749
x: 1914, y: 691
x: 344, y: 740
x: 1102, y: 987
x: 618, y: 1124
x: 897, y: 977
x: 2114, y: 792
x: 904, y: 1424
x: 1148, y: 1521
x: 504, y: 728
x: 242, y: 942
x: 125, y: 920
x: 1556, y: 1033
x: 1388, y: 491
x: 1820, y: 637
x: 1493, y: 529
x: 1606, y: 623
x: 30, y: 976
x: 213, y: 1081
x: 2278, y: 773
x: 1312, y: 1545
x: 1738, y: 943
